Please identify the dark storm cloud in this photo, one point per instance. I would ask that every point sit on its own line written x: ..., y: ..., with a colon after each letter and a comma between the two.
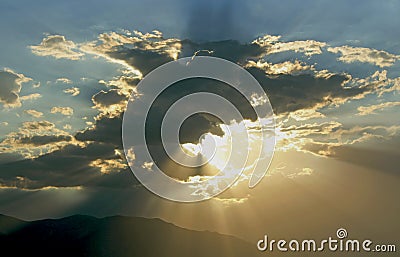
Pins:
x: 67, y: 167
x: 44, y: 139
x: 289, y: 93
x: 108, y: 98
x: 144, y: 60
x: 9, y: 157
x: 198, y: 124
x: 106, y: 130
x: 147, y: 51
x: 145, y: 57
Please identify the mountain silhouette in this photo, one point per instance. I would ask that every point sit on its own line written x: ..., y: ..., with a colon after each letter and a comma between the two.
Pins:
x: 115, y: 236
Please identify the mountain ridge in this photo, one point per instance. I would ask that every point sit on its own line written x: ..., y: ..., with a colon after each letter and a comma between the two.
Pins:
x: 116, y: 236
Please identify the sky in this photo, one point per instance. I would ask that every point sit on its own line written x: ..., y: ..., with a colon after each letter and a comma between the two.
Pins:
x: 330, y: 70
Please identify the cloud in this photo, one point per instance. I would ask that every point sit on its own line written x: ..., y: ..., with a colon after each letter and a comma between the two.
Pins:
x: 33, y: 96
x: 146, y: 51
x: 273, y: 46
x: 297, y: 91
x: 111, y: 97
x: 366, y: 110
x: 349, y: 54
x: 54, y: 158
x: 36, y: 138
x: 34, y: 113
x: 306, y: 137
x: 38, y: 125
x: 312, y: 128
x: 378, y: 83
x: 328, y: 139
x: 10, y: 87
x: 69, y: 166
x: 306, y: 114
x: 109, y: 166
x: 341, y: 138
x: 64, y: 81
x: 143, y: 52
x: 231, y: 50
x: 303, y: 172
x: 231, y: 201
x: 125, y: 84
x: 73, y: 91
x: 44, y: 139
x: 106, y: 130
x: 266, y: 40
x: 58, y: 47
x: 289, y: 93
x: 67, y: 111
x: 289, y: 85
x: 111, y: 103
x: 287, y: 67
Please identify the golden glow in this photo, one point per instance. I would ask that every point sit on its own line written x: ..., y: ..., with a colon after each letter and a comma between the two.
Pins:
x: 249, y: 143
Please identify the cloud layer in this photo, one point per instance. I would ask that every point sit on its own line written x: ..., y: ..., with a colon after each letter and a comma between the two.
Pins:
x: 299, y: 94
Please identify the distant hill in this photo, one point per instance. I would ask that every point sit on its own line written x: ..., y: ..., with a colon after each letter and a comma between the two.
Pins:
x: 116, y: 236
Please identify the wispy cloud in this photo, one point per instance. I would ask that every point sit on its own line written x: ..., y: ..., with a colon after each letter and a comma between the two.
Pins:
x: 366, y: 110
x: 67, y: 111
x: 34, y: 113
x: 64, y: 80
x: 73, y: 91
x: 287, y: 67
x: 351, y: 54
x: 32, y: 96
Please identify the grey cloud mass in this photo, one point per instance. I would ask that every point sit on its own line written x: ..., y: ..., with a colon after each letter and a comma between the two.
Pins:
x: 110, y: 97
x: 44, y: 139
x: 67, y: 167
x: 10, y: 87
